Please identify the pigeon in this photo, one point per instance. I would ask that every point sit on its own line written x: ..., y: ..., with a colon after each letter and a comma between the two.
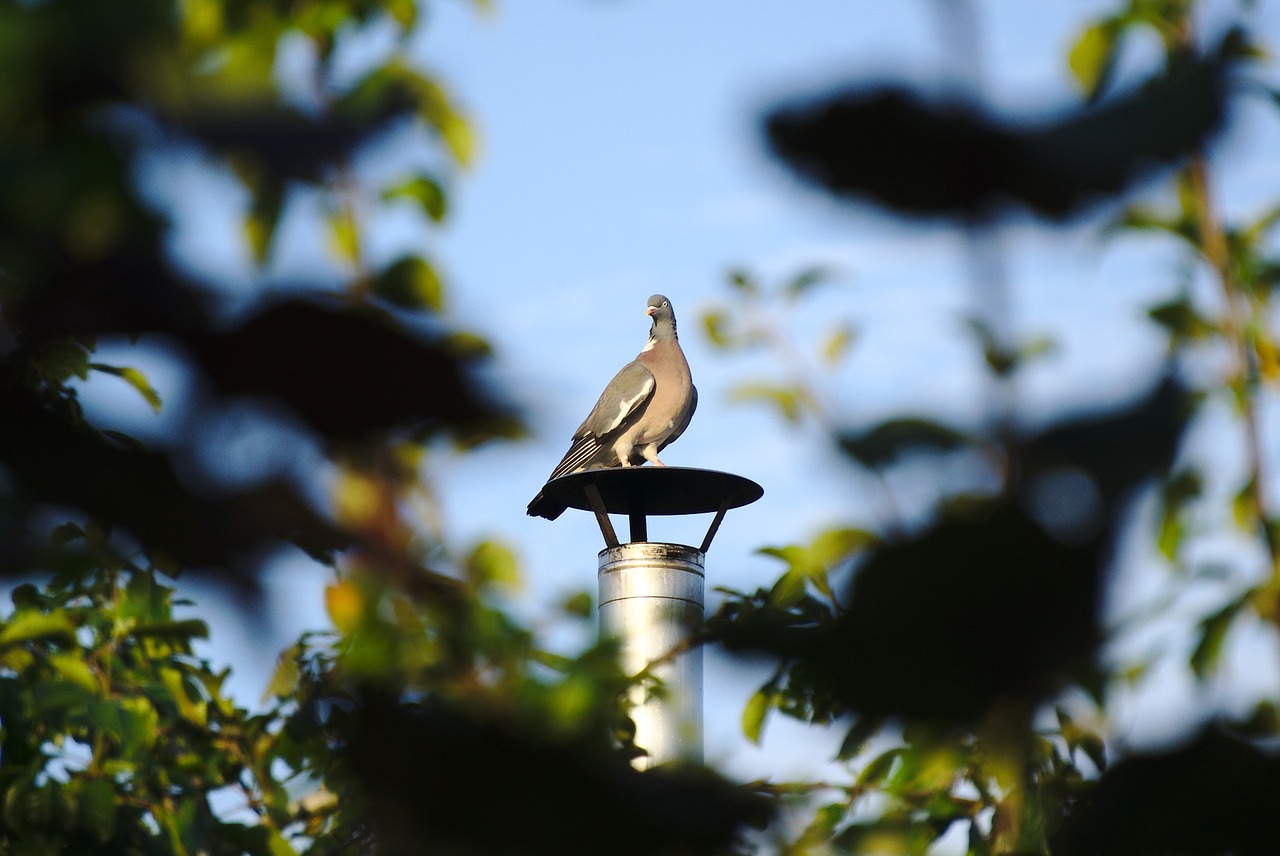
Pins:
x: 644, y: 409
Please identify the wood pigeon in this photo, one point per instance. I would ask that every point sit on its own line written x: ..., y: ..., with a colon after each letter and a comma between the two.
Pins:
x: 644, y: 409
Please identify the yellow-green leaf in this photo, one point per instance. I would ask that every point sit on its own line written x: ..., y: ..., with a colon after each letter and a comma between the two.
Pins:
x: 97, y: 800
x: 837, y: 343
x: 412, y: 283
x: 1091, y: 56
x: 76, y: 671
x: 424, y: 190
x: 284, y: 680
x: 756, y: 710
x: 492, y: 562
x: 135, y: 379
x: 195, y: 710
x: 345, y: 234
x: 29, y: 626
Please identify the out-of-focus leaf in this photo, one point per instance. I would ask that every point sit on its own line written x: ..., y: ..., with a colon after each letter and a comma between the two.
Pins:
x: 345, y: 604
x: 491, y: 562
x: 1142, y: 218
x: 953, y: 160
x: 744, y: 282
x: 424, y: 190
x: 466, y: 345
x: 1213, y: 630
x: 579, y: 604
x: 264, y: 217
x: 1209, y: 796
x: 862, y: 730
x: 1176, y: 494
x: 788, y: 589
x: 1268, y: 354
x: 1092, y: 57
x: 193, y: 710
x: 62, y: 359
x: 878, y: 769
x: 804, y: 281
x: 138, y: 490
x: 329, y: 366
x: 183, y: 630
x: 1244, y: 506
x: 790, y: 401
x: 97, y: 801
x: 716, y: 323
x: 135, y: 379
x: 284, y: 679
x: 969, y: 577
x: 405, y: 13
x: 426, y: 773
x: 56, y: 695
x: 30, y: 626
x: 412, y: 283
x: 755, y: 712
x: 73, y: 668
x: 345, y: 234
x: 836, y: 344
x: 887, y: 442
x: 1181, y: 320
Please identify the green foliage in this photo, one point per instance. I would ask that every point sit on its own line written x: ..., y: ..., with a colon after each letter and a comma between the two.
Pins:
x: 917, y: 657
x: 958, y: 651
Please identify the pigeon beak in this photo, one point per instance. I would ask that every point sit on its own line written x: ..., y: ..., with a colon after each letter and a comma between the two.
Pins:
x: 649, y: 310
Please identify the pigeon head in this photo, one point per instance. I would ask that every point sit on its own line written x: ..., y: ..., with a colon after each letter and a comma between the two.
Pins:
x: 664, y: 318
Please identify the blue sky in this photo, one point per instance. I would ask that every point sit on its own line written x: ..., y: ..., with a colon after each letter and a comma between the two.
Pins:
x: 620, y: 156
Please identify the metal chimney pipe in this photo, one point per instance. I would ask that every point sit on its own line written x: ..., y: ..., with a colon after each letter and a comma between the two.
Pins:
x: 651, y: 598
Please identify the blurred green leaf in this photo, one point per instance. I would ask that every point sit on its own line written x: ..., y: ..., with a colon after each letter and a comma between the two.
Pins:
x: 716, y: 323
x: 425, y: 190
x: 580, y: 604
x: 61, y: 359
x: 97, y: 798
x: 790, y: 401
x: 284, y: 679
x: 788, y: 590
x: 836, y: 344
x: 135, y: 379
x: 1176, y: 495
x: 1182, y: 321
x: 30, y: 626
x: 345, y: 234
x: 74, y: 669
x: 877, y: 770
x: 1092, y: 57
x: 1212, y: 631
x: 492, y: 562
x: 1244, y: 505
x: 53, y: 695
x: 183, y: 630
x: 807, y: 279
x: 756, y: 711
x: 888, y: 441
x: 263, y: 218
x: 412, y: 283
x: 744, y: 282
x: 405, y: 13
x: 193, y: 710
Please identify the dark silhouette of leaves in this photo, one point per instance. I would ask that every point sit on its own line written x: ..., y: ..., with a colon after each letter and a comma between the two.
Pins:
x: 51, y: 459
x: 434, y: 776
x: 953, y: 159
x: 985, y: 605
x: 1213, y: 795
x: 346, y: 372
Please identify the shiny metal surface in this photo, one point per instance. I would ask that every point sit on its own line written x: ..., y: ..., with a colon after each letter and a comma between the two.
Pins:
x: 651, y: 597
